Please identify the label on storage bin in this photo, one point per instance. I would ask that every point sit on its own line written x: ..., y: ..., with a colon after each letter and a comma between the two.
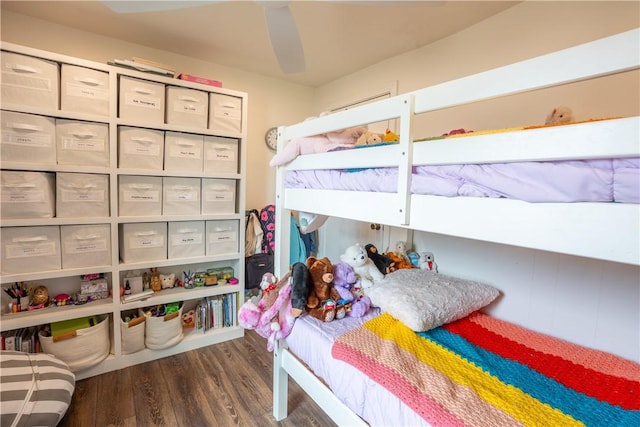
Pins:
x: 83, y: 144
x: 30, y: 249
x: 182, y: 195
x: 218, y: 196
x: 25, y: 81
x: 227, y: 112
x: 221, y: 155
x: 141, y: 196
x: 84, y: 246
x: 82, y: 195
x: 185, y: 152
x: 84, y: 91
x: 29, y: 140
x: 187, y: 108
x: 136, y: 100
x: 184, y: 239
x: 22, y: 195
x: 143, y: 242
x: 223, y: 237
x: 142, y: 149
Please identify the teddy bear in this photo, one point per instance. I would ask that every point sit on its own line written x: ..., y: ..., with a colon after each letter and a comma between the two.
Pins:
x: 383, y: 262
x: 189, y: 319
x: 368, y: 138
x: 321, y: 302
x: 167, y: 280
x: 356, y: 256
x: 427, y: 262
x: 559, y: 115
x: 346, y: 284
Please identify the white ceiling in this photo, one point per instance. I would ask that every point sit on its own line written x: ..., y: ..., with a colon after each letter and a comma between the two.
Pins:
x: 338, y: 37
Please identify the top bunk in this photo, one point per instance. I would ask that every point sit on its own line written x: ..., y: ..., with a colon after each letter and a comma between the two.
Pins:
x: 588, y: 205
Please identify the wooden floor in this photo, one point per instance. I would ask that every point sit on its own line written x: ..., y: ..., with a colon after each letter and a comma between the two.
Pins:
x: 227, y: 384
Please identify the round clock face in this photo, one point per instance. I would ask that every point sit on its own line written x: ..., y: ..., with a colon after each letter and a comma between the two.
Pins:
x: 271, y: 138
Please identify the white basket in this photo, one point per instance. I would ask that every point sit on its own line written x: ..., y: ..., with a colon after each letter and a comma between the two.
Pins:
x: 163, y: 332
x: 87, y: 348
x: 132, y: 335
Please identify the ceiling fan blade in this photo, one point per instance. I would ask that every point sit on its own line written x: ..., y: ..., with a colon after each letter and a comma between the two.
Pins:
x: 120, y: 6
x: 285, y: 39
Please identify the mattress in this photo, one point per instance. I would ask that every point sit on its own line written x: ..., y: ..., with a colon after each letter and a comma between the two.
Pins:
x: 600, y: 180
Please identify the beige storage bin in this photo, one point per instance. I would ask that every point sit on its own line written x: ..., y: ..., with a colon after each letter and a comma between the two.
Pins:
x: 85, y: 245
x: 218, y: 196
x: 29, y: 81
x: 132, y: 334
x: 163, y: 332
x: 84, y: 90
x: 82, y: 143
x: 139, y: 195
x: 222, y: 237
x: 180, y: 196
x: 27, y: 194
x: 186, y: 239
x: 187, y: 107
x: 30, y: 249
x: 28, y: 138
x: 220, y: 155
x: 225, y: 113
x: 82, y: 195
x: 141, y: 100
x: 144, y: 241
x: 140, y: 148
x: 183, y: 152
x: 86, y: 349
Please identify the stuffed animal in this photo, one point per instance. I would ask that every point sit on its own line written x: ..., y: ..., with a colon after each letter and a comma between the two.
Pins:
x: 398, y: 261
x: 428, y: 262
x: 299, y: 279
x: 167, y: 280
x: 356, y: 256
x: 381, y: 261
x: 318, y: 143
x: 390, y: 136
x: 401, y: 250
x: 368, y: 138
x: 321, y: 302
x: 189, y: 319
x: 559, y: 115
x: 268, y: 288
x: 346, y: 284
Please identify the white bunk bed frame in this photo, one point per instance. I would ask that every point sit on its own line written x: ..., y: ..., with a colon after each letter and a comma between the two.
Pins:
x: 580, y: 229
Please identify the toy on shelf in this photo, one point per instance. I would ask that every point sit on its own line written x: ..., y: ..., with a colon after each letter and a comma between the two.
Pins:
x: 167, y: 280
x: 155, y: 280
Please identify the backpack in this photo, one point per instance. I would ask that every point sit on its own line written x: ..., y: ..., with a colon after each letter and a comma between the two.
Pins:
x: 268, y: 223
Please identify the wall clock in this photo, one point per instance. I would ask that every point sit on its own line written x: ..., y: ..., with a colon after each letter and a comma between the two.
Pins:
x: 271, y: 138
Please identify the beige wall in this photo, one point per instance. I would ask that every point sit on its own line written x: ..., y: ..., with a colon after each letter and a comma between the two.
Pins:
x: 271, y: 102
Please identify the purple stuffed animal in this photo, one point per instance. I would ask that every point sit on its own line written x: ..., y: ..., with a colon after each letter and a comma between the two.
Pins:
x: 345, y: 282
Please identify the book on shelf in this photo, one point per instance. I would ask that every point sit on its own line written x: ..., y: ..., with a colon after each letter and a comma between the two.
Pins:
x: 155, y: 64
x: 138, y: 66
x: 137, y: 296
x: 201, y: 80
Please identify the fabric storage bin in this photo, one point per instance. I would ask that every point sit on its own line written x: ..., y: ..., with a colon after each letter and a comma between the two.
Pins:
x: 27, y: 194
x: 85, y: 245
x: 82, y: 195
x: 82, y: 143
x: 220, y: 155
x: 29, y: 81
x: 132, y: 334
x: 83, y: 90
x: 183, y: 152
x: 218, y: 196
x: 186, y: 239
x: 139, y: 195
x: 83, y: 349
x: 222, y: 237
x: 187, y: 107
x: 163, y: 332
x: 180, y: 196
x: 28, y: 138
x: 140, y: 148
x: 141, y: 100
x: 225, y: 113
x: 144, y: 241
x: 30, y: 249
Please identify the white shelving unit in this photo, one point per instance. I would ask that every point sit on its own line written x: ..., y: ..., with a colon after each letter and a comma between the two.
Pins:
x: 68, y: 280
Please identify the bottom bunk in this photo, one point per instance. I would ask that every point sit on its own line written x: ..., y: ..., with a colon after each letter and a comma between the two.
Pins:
x: 477, y: 370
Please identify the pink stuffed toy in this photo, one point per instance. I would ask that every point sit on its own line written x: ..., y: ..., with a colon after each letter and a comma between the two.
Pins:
x: 318, y: 143
x: 345, y: 282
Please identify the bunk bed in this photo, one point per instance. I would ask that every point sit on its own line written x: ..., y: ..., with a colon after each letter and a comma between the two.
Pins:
x: 574, y: 227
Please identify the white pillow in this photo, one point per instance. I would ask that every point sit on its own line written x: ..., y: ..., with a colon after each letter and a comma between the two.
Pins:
x: 423, y: 300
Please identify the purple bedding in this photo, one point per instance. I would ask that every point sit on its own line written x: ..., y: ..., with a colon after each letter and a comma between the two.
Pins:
x: 608, y: 180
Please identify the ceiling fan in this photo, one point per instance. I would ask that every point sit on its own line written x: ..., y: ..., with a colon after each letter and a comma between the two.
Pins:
x: 283, y: 32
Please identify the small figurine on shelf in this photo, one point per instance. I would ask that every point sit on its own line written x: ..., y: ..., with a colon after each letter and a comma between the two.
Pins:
x: 156, y: 282
x: 189, y: 278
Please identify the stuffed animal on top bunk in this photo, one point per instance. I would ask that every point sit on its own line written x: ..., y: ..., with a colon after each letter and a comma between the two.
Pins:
x: 356, y: 256
x: 369, y: 138
x: 323, y: 297
x: 318, y: 143
x: 559, y: 115
x: 383, y: 262
x: 346, y: 284
x: 390, y: 136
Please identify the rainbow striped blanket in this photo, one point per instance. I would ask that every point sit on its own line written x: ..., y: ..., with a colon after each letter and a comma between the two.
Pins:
x: 483, y: 371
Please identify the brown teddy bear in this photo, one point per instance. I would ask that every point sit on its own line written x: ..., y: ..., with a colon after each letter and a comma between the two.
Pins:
x: 368, y: 138
x: 321, y: 302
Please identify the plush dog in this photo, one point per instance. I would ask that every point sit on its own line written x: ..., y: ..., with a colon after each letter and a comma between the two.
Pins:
x: 559, y: 115
x: 369, y: 138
